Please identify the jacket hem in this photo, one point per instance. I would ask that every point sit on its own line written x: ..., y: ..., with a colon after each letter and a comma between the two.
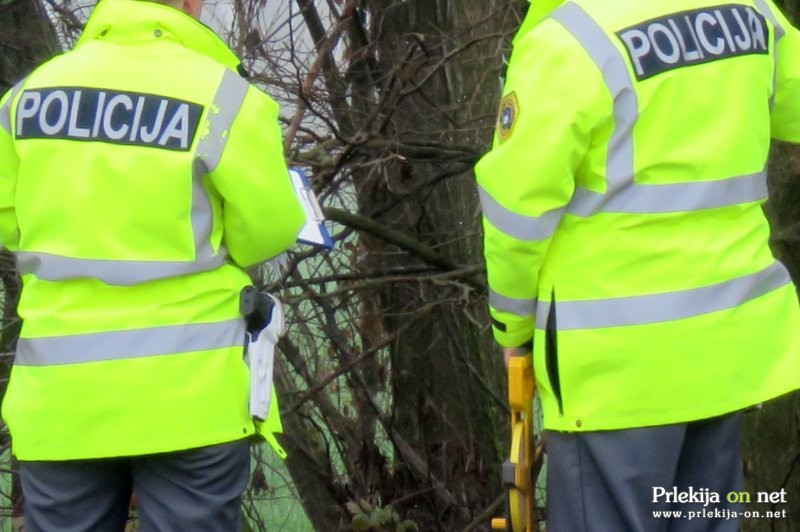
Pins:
x: 50, y: 453
x: 578, y: 423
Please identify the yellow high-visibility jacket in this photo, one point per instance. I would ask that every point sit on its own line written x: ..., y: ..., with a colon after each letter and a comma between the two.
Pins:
x: 622, y: 199
x: 139, y: 173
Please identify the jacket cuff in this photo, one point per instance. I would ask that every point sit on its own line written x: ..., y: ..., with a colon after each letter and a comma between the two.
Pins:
x: 518, y: 334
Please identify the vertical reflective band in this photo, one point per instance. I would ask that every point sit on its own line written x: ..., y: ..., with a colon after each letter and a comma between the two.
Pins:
x: 5, y: 109
x: 669, y: 306
x: 764, y: 9
x: 520, y: 307
x: 223, y: 111
x: 221, y: 114
x: 135, y: 343
x: 519, y: 226
x: 619, y: 162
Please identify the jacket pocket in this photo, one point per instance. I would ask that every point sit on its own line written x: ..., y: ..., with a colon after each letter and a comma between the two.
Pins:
x: 551, y: 352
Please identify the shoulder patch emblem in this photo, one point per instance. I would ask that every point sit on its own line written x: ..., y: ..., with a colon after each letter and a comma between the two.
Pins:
x: 507, y: 116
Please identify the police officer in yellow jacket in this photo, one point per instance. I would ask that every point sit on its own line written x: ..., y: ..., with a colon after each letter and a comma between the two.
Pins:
x: 139, y: 174
x: 626, y: 244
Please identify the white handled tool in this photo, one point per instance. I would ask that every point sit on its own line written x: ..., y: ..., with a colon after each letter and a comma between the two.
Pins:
x: 265, y: 327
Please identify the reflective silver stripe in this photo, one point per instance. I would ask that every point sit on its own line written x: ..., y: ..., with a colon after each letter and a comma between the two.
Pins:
x: 515, y: 225
x: 51, y: 267
x: 136, y: 343
x: 520, y: 307
x: 5, y: 115
x: 5, y: 109
x: 619, y: 162
x: 764, y: 9
x: 224, y: 108
x: 655, y: 308
x: 675, y: 197
x: 202, y: 221
x: 220, y: 116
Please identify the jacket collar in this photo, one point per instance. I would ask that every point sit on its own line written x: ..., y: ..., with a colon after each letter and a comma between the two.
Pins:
x: 138, y: 20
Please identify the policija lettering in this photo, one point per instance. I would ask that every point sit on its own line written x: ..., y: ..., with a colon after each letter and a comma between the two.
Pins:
x: 108, y: 116
x: 693, y: 37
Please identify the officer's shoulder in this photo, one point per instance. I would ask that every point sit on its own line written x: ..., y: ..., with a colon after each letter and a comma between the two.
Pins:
x: 53, y: 61
x: 547, y: 38
x: 236, y: 80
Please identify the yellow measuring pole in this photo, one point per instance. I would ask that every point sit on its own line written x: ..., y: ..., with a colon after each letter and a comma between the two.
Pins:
x: 518, y: 469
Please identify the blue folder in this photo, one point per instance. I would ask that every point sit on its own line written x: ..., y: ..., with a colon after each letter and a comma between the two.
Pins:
x: 314, y: 231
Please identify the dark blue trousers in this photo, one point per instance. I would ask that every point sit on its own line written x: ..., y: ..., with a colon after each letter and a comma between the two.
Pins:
x: 611, y: 481
x: 198, y: 490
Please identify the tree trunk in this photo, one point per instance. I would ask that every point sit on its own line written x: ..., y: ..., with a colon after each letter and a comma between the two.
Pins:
x: 447, y: 378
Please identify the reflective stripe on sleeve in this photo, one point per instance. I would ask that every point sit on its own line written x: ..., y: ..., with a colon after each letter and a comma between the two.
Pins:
x: 516, y: 225
x: 221, y: 114
x: 655, y: 308
x: 673, y: 197
x: 5, y: 109
x: 765, y: 11
x: 520, y: 307
x: 136, y: 343
x: 5, y: 115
